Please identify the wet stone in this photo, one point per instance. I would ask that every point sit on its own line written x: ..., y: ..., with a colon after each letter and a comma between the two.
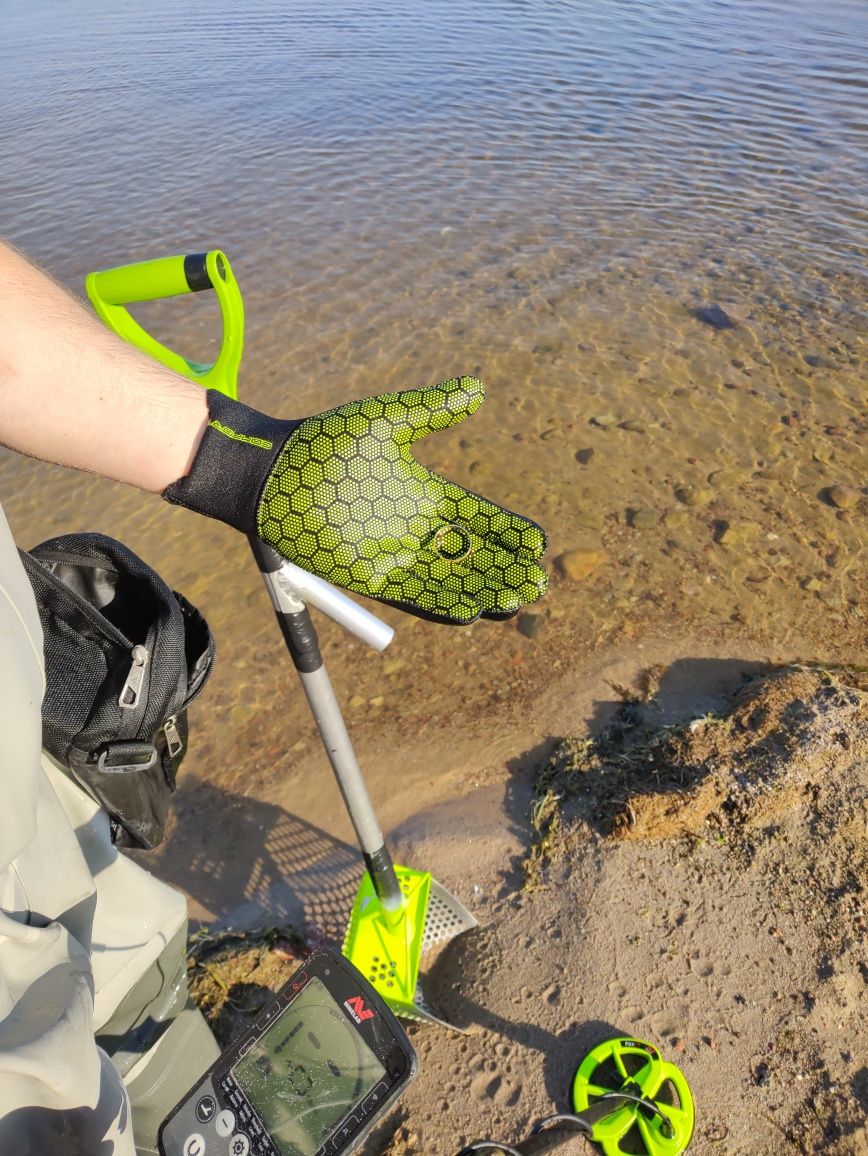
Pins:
x: 584, y: 456
x: 633, y: 426
x: 739, y: 533
x: 643, y: 519
x: 580, y: 564
x: 726, y: 478
x: 530, y: 624
x: 590, y: 519
x: 605, y: 420
x: 716, y: 316
x: 843, y: 497
x: 694, y: 496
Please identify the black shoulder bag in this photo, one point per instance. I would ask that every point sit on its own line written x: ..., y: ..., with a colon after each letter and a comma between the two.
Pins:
x: 124, y: 658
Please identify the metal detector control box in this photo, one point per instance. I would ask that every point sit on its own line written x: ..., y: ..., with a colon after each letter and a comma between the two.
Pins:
x: 324, y: 1059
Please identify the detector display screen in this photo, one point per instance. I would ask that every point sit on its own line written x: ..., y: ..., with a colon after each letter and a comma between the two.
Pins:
x: 307, y: 1071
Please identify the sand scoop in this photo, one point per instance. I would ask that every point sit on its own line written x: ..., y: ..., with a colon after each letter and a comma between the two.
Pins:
x: 399, y: 914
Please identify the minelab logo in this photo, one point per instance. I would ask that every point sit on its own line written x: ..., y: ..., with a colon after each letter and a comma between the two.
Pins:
x: 355, y: 1005
x: 228, y: 432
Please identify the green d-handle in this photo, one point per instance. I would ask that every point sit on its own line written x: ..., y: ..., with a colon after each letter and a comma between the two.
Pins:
x: 111, y: 290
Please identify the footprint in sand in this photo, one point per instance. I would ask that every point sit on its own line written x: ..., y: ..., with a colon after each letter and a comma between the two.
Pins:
x: 488, y: 1087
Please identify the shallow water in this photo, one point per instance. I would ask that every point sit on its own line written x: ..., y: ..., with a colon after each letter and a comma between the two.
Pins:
x: 541, y: 194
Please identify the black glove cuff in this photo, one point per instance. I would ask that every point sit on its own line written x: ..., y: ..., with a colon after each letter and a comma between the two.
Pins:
x: 235, y: 457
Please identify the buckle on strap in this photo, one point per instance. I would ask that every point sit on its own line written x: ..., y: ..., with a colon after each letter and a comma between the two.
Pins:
x: 116, y: 758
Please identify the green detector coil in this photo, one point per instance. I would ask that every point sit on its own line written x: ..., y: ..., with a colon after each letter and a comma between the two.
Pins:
x: 662, y: 1125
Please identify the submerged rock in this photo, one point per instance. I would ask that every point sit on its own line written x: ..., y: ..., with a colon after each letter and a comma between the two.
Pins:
x: 530, y: 624
x: 715, y: 316
x: 727, y: 477
x: 843, y: 497
x: 591, y: 519
x: 739, y: 533
x: 694, y: 495
x: 580, y: 564
x: 643, y: 519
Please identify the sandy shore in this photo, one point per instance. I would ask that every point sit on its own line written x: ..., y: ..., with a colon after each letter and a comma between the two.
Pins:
x: 695, y: 876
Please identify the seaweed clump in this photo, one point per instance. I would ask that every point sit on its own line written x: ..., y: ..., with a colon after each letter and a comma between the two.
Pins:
x: 233, y: 974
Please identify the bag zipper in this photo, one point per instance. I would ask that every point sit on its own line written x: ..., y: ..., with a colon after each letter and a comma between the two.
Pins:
x: 131, y: 691
x: 173, y: 738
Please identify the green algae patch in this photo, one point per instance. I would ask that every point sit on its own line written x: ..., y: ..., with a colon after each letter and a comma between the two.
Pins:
x: 233, y: 974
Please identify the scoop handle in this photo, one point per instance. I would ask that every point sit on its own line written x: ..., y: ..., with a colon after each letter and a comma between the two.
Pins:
x: 112, y: 290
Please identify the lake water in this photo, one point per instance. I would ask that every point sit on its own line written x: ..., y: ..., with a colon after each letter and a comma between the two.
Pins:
x: 543, y: 194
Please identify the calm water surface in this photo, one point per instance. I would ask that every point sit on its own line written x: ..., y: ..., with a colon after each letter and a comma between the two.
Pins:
x: 541, y: 193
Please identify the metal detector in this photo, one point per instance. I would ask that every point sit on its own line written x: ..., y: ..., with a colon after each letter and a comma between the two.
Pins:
x: 399, y: 914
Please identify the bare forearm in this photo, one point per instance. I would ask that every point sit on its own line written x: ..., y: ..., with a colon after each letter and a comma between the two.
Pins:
x: 73, y: 393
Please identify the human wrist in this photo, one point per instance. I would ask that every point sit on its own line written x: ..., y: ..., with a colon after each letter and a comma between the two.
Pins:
x: 237, y: 451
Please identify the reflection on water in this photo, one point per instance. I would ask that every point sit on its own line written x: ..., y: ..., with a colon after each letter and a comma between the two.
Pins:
x: 542, y: 194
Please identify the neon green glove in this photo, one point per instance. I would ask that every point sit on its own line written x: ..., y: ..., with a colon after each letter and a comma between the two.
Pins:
x: 341, y: 495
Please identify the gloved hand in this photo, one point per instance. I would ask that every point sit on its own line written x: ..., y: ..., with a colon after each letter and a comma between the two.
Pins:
x: 340, y: 495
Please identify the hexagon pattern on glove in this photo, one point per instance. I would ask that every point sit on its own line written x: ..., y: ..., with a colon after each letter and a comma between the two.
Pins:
x: 347, y: 501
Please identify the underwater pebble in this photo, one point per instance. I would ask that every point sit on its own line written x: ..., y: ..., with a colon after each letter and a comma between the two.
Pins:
x: 726, y: 478
x: 377, y: 700
x: 737, y: 533
x: 358, y: 701
x: 590, y: 519
x: 240, y: 715
x: 643, y: 519
x: 584, y: 456
x: 676, y: 519
x: 530, y: 624
x: 811, y: 584
x: 844, y: 497
x: 716, y: 316
x: 694, y: 495
x: 393, y: 665
x: 580, y: 564
x: 605, y: 420
x: 634, y: 426
x: 480, y: 469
